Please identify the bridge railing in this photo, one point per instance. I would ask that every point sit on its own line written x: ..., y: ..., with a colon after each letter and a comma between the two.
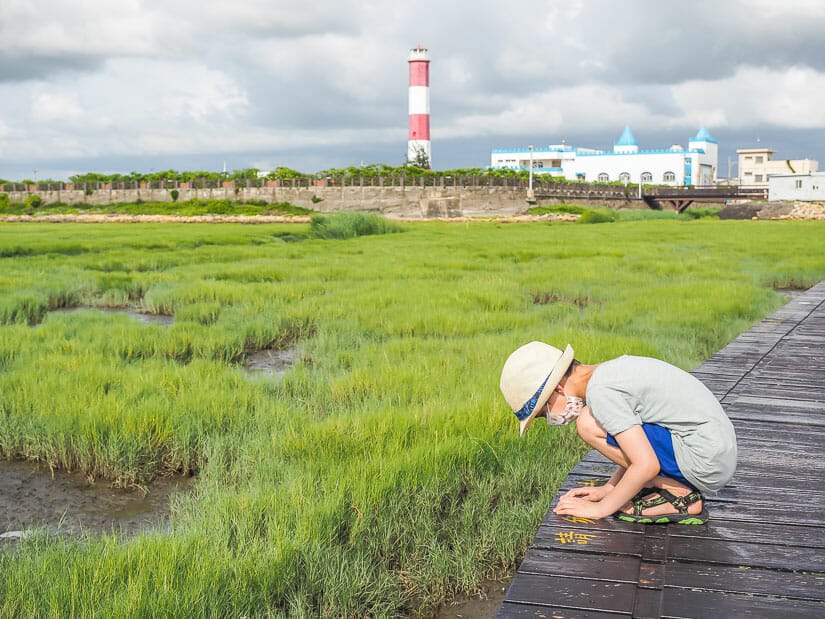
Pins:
x: 708, y: 191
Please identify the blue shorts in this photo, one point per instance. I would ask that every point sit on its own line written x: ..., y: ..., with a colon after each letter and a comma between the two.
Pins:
x: 662, y: 444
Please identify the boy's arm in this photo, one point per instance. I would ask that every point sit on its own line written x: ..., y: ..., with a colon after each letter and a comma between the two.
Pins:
x: 643, y: 466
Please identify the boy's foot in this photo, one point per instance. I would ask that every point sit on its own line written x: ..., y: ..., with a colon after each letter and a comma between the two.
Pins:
x: 666, y: 508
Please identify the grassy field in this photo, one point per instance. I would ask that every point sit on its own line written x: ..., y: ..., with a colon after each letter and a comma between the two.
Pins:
x: 384, y: 472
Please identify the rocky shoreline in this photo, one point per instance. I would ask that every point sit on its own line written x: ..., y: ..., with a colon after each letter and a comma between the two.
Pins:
x: 744, y: 210
x: 250, y: 219
x: 774, y: 210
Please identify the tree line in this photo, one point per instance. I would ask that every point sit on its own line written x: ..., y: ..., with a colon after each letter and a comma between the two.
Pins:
x: 279, y: 173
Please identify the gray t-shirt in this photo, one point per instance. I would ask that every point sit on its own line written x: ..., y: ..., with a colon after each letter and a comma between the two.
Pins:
x: 630, y: 390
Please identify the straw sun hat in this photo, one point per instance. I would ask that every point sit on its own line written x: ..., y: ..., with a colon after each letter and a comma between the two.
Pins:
x: 529, y: 377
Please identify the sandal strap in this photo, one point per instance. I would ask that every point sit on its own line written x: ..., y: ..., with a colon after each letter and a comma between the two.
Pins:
x: 639, y: 505
x: 681, y: 503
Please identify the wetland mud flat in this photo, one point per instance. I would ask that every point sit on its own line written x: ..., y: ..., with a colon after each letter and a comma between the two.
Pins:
x: 31, y: 497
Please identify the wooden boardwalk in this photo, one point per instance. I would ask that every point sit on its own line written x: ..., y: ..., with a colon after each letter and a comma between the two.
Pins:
x: 762, y: 554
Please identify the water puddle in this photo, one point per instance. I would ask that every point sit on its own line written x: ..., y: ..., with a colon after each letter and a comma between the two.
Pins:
x: 482, y: 606
x: 32, y: 498
x: 270, y: 362
x: 791, y: 293
x: 147, y: 319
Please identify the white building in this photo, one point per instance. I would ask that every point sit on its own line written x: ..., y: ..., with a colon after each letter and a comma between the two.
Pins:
x: 757, y: 164
x: 802, y: 187
x: 694, y: 165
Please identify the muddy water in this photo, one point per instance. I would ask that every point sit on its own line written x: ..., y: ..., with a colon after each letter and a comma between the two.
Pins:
x: 270, y: 362
x: 147, y: 319
x: 483, y: 606
x: 30, y: 497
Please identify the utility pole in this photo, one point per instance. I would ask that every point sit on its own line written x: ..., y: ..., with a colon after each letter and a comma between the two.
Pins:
x: 531, y: 197
x: 731, y: 165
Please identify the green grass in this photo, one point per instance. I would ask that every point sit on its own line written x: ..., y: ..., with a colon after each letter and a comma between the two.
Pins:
x: 590, y: 214
x: 383, y: 473
x: 346, y: 225
x: 187, y: 208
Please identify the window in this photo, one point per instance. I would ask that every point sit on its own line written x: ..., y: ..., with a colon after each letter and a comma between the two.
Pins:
x: 669, y: 177
x: 759, y: 158
x: 624, y: 177
x: 647, y: 177
x: 798, y: 183
x: 604, y: 177
x: 757, y: 178
x: 748, y: 158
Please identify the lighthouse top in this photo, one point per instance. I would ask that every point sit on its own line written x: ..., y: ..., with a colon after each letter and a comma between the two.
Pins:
x: 419, y: 53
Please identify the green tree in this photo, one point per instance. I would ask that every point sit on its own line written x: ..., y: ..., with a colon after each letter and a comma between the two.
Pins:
x: 33, y: 201
x: 420, y: 159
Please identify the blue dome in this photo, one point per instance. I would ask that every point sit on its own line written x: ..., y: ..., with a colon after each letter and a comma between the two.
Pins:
x: 703, y: 136
x: 627, y: 139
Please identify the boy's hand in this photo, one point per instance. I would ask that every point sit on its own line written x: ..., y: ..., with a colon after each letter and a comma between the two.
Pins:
x: 592, y: 493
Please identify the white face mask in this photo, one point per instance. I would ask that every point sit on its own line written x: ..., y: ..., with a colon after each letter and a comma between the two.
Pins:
x: 571, y: 411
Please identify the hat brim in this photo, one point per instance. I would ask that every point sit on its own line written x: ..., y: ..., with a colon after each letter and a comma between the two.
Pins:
x: 552, y: 382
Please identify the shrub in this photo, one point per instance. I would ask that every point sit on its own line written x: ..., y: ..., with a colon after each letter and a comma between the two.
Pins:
x: 285, y: 208
x: 33, y: 201
x: 567, y: 209
x: 350, y: 225
x: 597, y: 217
x: 315, y: 199
x: 699, y: 213
x: 175, y: 195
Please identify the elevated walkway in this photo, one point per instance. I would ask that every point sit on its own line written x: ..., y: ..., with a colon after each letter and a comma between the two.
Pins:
x: 762, y: 554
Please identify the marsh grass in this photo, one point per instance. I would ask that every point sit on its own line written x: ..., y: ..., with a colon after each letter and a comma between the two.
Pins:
x: 590, y: 214
x: 383, y: 472
x: 185, y: 208
x: 348, y: 225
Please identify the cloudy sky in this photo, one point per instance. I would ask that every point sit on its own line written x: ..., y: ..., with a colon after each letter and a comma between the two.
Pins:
x: 143, y: 85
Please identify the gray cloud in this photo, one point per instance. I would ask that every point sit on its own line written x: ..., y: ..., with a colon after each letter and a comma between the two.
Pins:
x: 15, y: 67
x: 316, y: 85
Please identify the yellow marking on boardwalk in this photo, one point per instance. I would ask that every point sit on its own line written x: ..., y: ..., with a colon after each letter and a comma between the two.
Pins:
x: 571, y: 537
x: 578, y: 519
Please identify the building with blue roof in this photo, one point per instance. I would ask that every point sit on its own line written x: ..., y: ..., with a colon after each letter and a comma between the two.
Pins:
x: 693, y: 165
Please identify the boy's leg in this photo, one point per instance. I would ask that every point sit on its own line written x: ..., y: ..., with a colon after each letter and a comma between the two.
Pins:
x: 670, y: 478
x: 592, y: 433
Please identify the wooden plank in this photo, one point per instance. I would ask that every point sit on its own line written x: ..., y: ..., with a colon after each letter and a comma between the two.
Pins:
x: 567, y: 537
x: 572, y: 593
x: 743, y: 512
x: 512, y: 610
x: 769, y: 533
x: 786, y: 479
x: 734, y: 552
x: 597, y: 566
x: 746, y: 579
x: 699, y: 604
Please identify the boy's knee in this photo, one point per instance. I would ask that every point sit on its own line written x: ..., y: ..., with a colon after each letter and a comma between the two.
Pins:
x: 589, y: 429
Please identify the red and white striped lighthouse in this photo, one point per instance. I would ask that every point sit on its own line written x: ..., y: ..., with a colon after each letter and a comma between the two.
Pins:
x: 418, y: 146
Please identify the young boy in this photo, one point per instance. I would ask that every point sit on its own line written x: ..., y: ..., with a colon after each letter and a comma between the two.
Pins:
x: 663, y: 428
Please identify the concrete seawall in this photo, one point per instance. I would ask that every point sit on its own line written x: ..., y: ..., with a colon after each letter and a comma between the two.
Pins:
x: 408, y: 202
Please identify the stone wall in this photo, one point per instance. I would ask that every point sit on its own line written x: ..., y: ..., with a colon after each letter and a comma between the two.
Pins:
x: 407, y: 202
